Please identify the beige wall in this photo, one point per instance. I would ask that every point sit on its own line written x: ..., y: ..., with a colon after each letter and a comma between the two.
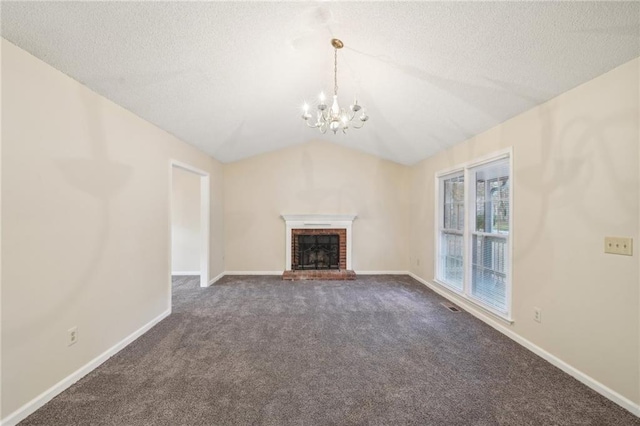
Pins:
x: 185, y: 222
x: 85, y: 189
x: 575, y: 180
x: 1, y: 314
x: 315, y: 178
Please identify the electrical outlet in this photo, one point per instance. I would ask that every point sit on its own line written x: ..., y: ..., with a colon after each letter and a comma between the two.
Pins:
x: 618, y: 245
x: 537, y: 314
x: 72, y: 336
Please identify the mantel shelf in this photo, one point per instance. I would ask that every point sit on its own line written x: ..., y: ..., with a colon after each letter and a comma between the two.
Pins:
x: 319, y: 217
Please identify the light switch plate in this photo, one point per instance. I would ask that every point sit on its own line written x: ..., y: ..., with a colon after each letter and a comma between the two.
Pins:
x: 618, y: 245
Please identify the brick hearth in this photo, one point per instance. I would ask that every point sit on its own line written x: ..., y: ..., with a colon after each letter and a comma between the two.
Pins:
x: 326, y: 274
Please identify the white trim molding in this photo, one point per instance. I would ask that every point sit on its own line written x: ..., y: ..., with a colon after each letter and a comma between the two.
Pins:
x: 499, y: 324
x: 46, y: 396
x: 205, y: 217
x: 252, y: 272
x: 256, y: 273
x: 185, y: 273
x: 317, y: 221
x: 216, y: 278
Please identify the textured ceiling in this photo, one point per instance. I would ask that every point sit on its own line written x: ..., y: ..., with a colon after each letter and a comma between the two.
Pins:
x: 230, y: 77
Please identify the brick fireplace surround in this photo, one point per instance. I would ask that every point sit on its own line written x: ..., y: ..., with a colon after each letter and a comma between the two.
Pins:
x: 319, y: 225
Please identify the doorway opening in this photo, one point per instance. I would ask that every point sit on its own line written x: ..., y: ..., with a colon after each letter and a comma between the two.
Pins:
x: 189, y: 222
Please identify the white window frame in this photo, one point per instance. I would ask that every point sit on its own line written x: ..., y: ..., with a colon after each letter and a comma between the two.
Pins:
x: 469, y: 220
x: 441, y: 230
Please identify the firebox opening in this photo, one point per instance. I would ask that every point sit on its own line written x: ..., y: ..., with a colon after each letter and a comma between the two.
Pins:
x: 318, y: 252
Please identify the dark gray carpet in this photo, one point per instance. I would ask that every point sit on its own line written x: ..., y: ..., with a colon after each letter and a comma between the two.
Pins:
x: 380, y: 350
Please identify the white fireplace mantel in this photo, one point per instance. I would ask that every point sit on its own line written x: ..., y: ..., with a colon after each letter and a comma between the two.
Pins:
x: 317, y: 221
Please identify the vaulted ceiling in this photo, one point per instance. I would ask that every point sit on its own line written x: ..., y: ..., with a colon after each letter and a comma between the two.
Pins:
x: 231, y: 77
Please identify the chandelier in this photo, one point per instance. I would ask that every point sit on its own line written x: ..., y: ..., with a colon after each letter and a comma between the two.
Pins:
x: 335, y: 118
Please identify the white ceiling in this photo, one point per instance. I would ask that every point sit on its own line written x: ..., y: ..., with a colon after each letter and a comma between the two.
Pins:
x: 231, y: 77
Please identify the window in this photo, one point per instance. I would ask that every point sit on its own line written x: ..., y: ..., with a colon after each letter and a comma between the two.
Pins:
x: 473, y: 259
x: 452, y: 231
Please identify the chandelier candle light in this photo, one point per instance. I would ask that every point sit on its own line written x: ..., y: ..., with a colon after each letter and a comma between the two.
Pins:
x: 335, y: 118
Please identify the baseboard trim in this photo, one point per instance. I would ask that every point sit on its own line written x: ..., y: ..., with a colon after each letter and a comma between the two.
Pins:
x: 183, y: 273
x: 554, y: 360
x: 31, y: 406
x: 281, y: 272
x: 216, y: 278
x: 253, y: 272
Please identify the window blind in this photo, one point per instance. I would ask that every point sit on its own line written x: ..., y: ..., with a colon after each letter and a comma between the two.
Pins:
x: 451, y: 268
x: 490, y: 234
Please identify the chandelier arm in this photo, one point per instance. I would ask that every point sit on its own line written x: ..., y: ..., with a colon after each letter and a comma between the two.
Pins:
x: 358, y: 127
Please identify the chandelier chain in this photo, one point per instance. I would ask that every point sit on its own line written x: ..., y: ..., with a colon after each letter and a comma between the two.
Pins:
x: 335, y: 71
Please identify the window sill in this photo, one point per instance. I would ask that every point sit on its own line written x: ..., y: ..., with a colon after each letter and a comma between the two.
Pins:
x: 475, y: 304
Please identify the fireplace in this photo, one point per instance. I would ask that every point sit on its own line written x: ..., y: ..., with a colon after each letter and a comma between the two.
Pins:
x: 318, y: 247
x: 317, y: 252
